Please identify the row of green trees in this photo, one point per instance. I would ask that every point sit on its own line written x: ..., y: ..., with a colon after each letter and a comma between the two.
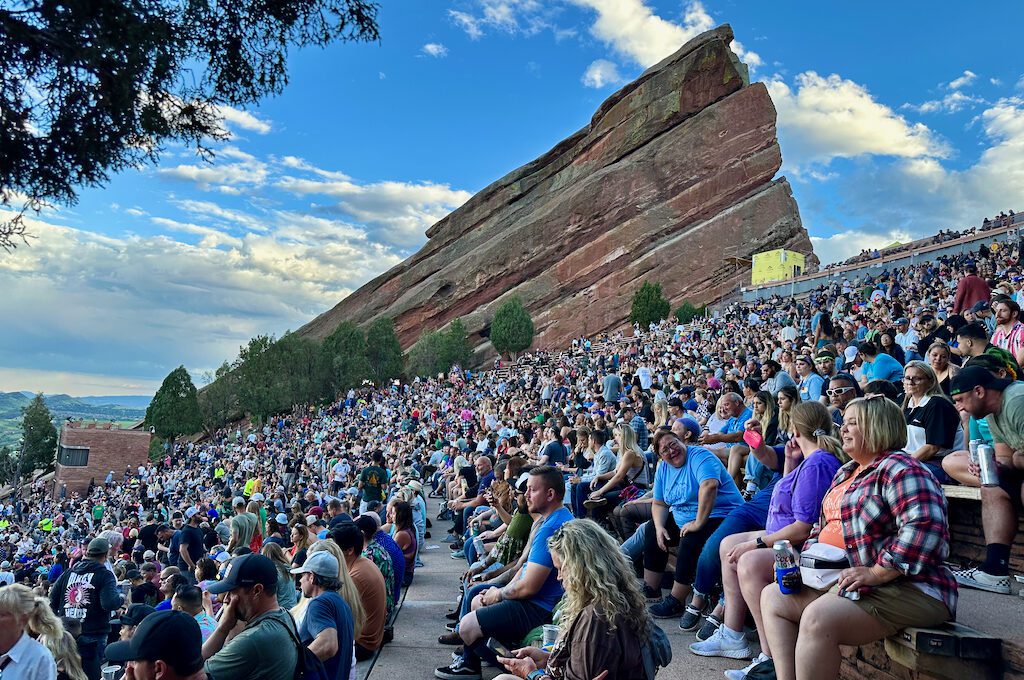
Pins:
x: 271, y: 374
x: 651, y: 306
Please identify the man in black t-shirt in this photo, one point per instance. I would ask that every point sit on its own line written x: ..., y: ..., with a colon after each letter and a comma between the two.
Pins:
x: 148, y: 539
x: 190, y: 542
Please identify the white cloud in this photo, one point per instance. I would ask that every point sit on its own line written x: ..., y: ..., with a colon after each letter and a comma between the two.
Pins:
x: 601, y: 73
x: 995, y: 81
x: 830, y: 117
x: 435, y: 50
x: 964, y: 80
x: 846, y: 244
x: 468, y: 23
x: 247, y: 172
x: 633, y: 30
x: 953, y: 102
x: 243, y: 119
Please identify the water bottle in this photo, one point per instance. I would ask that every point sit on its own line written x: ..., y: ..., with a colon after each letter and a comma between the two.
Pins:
x: 787, y: 567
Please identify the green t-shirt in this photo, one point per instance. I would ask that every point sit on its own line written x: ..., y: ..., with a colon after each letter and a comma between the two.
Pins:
x: 263, y: 651
x: 1007, y: 426
x: 244, y: 525
x: 374, y: 481
x: 97, y: 512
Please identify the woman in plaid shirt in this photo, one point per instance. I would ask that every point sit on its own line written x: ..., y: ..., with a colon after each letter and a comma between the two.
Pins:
x: 889, y: 514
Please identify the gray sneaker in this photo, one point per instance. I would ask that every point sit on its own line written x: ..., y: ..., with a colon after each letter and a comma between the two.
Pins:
x: 976, y: 578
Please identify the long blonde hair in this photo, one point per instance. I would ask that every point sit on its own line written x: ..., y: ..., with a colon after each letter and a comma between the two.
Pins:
x: 813, y: 421
x: 595, y: 572
x: 348, y: 590
x: 65, y: 653
x: 40, y: 620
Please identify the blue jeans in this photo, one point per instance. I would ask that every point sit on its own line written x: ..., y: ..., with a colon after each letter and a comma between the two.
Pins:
x: 750, y: 516
x: 633, y: 547
x: 91, y: 648
x: 579, y: 494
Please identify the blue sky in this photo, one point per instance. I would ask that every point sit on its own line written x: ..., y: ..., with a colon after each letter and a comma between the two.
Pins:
x: 895, y: 120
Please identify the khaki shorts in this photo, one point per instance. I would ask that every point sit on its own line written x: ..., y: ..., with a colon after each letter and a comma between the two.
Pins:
x: 900, y: 605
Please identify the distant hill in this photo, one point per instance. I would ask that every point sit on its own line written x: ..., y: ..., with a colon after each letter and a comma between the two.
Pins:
x: 121, y: 409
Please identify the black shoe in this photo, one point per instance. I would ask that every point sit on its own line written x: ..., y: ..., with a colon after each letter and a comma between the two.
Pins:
x: 426, y: 534
x: 690, y: 620
x: 457, y: 671
x: 453, y: 615
x: 652, y: 594
x: 711, y: 624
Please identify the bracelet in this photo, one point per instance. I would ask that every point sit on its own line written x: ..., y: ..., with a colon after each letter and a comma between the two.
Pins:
x: 537, y: 674
x: 760, y: 542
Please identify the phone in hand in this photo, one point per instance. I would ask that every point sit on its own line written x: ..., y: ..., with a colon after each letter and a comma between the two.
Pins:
x: 753, y: 439
x: 499, y: 649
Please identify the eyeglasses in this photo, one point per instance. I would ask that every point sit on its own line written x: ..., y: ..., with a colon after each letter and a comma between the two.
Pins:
x: 838, y: 391
x: 914, y: 379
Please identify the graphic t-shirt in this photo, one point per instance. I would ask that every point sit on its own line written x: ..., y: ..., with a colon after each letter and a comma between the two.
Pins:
x: 678, y: 487
x: 374, y: 481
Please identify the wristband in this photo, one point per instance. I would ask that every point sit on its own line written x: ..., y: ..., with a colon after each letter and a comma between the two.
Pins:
x: 537, y: 674
x: 760, y: 542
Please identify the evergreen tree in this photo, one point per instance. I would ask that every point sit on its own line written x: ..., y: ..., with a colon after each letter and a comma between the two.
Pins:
x: 383, y: 351
x: 345, y: 352
x: 687, y: 312
x: 8, y: 465
x: 426, y: 357
x: 39, y: 444
x: 218, y: 401
x: 512, y: 328
x: 649, y: 305
x: 174, y: 410
x: 456, y: 346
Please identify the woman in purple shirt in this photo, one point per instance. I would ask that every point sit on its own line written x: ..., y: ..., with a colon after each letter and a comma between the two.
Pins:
x: 813, y: 456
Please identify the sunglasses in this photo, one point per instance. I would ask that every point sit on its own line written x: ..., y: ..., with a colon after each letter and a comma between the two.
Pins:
x: 838, y: 391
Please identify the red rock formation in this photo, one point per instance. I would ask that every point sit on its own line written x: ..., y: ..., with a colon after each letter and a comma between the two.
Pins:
x: 673, y: 176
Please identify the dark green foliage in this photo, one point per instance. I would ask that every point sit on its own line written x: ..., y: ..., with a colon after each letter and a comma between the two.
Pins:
x: 218, y: 401
x: 345, y: 349
x: 272, y: 375
x: 437, y: 351
x: 687, y: 312
x: 383, y: 351
x: 174, y: 410
x: 512, y: 328
x: 39, y: 444
x: 95, y: 87
x: 8, y: 465
x: 649, y: 305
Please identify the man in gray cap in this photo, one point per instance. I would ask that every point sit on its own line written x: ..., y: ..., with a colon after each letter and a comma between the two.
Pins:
x: 327, y: 627
x: 6, y: 575
x: 907, y: 338
x: 88, y: 593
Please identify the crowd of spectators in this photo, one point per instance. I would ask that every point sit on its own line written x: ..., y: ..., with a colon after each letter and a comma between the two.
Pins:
x: 592, y: 491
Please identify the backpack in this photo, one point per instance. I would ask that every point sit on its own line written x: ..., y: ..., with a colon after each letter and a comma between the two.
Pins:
x: 657, y: 652
x: 309, y: 666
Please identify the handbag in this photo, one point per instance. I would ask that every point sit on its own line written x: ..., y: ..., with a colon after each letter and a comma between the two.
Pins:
x: 656, y: 652
x: 821, y: 564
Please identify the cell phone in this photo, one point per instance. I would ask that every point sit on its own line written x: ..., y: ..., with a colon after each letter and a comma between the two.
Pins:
x: 753, y: 439
x: 499, y: 649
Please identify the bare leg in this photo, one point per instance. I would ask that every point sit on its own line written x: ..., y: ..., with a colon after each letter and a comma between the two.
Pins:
x: 734, y: 609
x: 737, y: 458
x: 469, y: 629
x: 955, y: 465
x: 997, y: 515
x: 756, y: 570
x: 826, y: 623
x: 782, y: 622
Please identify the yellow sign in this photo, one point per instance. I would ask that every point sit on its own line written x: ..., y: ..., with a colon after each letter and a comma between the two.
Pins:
x: 776, y: 265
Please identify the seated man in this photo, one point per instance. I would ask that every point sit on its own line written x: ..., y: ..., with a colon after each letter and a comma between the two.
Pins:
x: 509, y: 613
x: 977, y: 392
x: 735, y: 452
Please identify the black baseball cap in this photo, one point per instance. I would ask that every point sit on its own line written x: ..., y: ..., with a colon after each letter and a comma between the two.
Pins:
x: 169, y: 636
x: 246, y: 571
x: 975, y: 376
x: 675, y: 401
x: 135, y: 613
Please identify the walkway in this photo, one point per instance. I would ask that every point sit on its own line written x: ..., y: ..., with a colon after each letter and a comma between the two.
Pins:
x: 415, y: 653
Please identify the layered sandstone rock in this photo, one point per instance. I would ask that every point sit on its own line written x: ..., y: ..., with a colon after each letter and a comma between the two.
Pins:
x: 671, y: 182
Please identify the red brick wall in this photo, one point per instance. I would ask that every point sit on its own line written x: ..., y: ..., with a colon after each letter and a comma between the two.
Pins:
x: 109, y: 449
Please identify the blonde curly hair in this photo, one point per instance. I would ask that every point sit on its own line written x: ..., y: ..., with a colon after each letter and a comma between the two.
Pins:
x: 595, y: 572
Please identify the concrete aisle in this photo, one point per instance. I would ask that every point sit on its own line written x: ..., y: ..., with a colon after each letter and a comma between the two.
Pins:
x: 415, y: 652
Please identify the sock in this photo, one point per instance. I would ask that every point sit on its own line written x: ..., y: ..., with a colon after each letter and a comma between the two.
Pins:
x: 997, y: 559
x: 730, y: 634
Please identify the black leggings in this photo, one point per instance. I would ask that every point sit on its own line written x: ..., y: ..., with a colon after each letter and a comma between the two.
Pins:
x: 687, y: 553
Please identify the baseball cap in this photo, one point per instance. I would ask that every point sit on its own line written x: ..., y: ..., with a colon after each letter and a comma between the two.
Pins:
x: 97, y: 547
x: 321, y: 563
x: 976, y: 376
x: 675, y: 401
x: 824, y: 354
x: 191, y: 512
x: 690, y: 424
x: 5, y: 565
x: 237, y: 501
x: 258, y: 497
x: 415, y: 485
x: 980, y: 306
x: 134, y: 615
x: 851, y: 353
x: 902, y: 320
x: 246, y: 571
x: 281, y: 518
x: 149, y: 555
x: 169, y: 636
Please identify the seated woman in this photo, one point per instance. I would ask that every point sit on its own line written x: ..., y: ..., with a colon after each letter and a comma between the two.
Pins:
x: 631, y: 470
x: 892, y: 511
x: 933, y: 423
x: 400, y: 528
x: 603, y: 621
x: 813, y: 455
x: 693, y: 493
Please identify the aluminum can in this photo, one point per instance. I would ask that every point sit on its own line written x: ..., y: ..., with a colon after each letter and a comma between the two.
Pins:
x: 987, y: 463
x: 787, y: 567
x: 972, y: 447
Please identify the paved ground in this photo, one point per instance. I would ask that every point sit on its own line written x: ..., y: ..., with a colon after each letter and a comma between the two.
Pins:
x: 415, y: 653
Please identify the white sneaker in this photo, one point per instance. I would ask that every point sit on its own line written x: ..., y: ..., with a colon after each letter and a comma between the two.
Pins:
x: 719, y: 645
x: 976, y: 578
x: 742, y: 673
